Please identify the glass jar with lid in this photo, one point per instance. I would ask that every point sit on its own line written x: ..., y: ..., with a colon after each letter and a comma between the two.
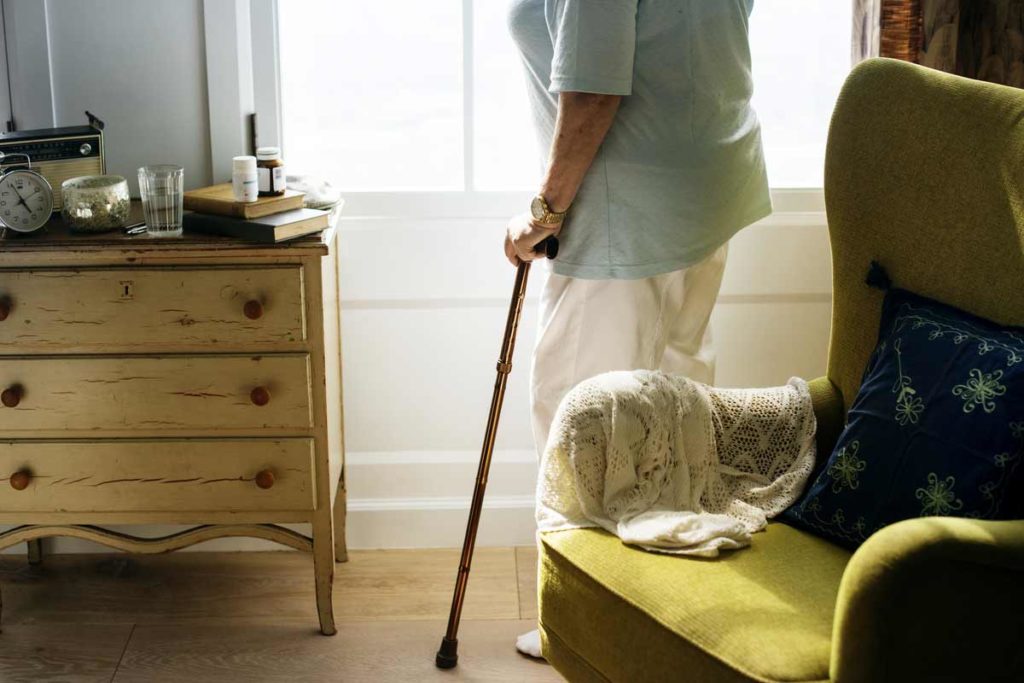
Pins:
x: 95, y: 203
x: 270, y: 171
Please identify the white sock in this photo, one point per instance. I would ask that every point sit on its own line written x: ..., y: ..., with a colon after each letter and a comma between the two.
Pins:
x: 529, y: 644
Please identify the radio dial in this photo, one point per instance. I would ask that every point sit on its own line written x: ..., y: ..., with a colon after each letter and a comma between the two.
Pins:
x: 85, y: 149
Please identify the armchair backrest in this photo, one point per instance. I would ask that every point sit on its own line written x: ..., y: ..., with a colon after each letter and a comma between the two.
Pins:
x: 924, y: 173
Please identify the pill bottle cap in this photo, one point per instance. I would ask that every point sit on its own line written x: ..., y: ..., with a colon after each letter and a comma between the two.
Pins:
x: 244, y: 164
x: 268, y: 153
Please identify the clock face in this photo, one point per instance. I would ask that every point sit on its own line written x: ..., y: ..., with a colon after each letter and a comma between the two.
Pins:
x: 26, y: 200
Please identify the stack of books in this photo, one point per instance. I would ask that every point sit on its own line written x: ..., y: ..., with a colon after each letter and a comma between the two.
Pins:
x: 268, y: 220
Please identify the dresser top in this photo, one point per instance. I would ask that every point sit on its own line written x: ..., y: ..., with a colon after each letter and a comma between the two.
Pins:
x: 55, y: 236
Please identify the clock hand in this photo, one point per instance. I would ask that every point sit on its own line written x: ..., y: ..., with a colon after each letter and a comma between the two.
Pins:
x: 21, y: 200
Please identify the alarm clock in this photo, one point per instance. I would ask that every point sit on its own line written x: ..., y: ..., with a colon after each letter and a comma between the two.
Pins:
x: 26, y: 199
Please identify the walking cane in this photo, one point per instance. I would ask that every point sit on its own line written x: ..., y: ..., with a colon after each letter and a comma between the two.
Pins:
x: 448, y: 654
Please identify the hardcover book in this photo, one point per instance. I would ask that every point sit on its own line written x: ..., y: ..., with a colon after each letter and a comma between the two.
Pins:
x: 266, y: 230
x: 219, y: 199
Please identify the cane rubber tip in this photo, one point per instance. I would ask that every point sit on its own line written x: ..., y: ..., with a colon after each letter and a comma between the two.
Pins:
x: 448, y: 654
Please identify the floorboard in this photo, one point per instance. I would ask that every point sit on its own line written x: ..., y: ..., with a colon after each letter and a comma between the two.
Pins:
x: 361, y: 651
x: 61, y: 652
x: 251, y: 617
x: 526, y: 575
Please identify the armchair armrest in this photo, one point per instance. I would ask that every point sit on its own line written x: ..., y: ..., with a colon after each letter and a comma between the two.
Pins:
x: 828, y: 409
x: 933, y: 599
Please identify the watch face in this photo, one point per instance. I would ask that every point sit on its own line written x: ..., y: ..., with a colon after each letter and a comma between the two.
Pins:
x: 537, y: 208
x: 26, y: 200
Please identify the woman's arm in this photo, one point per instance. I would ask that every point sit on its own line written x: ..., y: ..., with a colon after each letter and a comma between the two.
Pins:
x: 582, y: 124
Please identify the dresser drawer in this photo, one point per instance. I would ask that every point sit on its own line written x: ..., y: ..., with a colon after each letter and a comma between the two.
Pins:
x: 149, y: 308
x: 175, y: 394
x: 195, y: 475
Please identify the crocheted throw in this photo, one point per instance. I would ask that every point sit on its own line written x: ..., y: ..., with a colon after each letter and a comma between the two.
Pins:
x: 672, y: 465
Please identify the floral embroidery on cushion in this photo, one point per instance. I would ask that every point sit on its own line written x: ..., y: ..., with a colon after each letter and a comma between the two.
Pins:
x: 959, y: 331
x: 908, y: 405
x: 993, y: 492
x: 846, y: 467
x: 938, y: 498
x: 980, y: 389
x: 936, y: 428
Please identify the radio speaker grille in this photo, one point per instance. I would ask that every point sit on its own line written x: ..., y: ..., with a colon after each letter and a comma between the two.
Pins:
x: 56, y: 172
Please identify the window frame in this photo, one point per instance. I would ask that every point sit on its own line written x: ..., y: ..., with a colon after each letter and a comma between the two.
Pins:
x: 6, y: 117
x: 27, y: 64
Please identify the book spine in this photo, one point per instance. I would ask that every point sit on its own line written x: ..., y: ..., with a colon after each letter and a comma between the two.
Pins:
x: 231, y: 227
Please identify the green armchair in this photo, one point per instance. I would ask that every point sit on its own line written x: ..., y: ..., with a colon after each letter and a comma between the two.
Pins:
x: 924, y: 173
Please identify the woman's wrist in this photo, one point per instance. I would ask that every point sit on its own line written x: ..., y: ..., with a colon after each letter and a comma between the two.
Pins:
x: 549, y: 227
x: 558, y: 201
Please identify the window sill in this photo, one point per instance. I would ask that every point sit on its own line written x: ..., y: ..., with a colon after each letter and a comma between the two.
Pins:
x: 430, y: 204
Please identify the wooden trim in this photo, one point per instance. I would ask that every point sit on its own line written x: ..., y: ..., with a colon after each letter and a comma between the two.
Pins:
x: 163, y: 544
x: 64, y: 258
x: 323, y: 531
x: 158, y: 518
x: 5, y: 81
x: 229, y: 64
x: 340, y: 502
x: 266, y: 73
x: 27, y: 35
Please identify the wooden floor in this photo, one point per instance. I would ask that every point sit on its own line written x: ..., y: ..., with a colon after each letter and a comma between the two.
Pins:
x: 251, y: 617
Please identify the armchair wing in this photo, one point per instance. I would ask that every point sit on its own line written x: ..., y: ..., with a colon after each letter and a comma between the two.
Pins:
x: 828, y: 409
x: 933, y: 599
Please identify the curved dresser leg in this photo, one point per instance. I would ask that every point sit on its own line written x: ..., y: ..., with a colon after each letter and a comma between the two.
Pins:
x: 35, y: 552
x: 323, y: 569
x: 340, y: 512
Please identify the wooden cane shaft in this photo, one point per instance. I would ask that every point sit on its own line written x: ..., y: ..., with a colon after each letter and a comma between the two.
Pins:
x: 487, y: 451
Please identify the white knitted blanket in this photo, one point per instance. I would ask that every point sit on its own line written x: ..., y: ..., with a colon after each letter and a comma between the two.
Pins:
x: 672, y: 465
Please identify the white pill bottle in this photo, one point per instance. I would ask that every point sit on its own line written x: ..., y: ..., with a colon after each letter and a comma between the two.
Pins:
x: 244, y: 179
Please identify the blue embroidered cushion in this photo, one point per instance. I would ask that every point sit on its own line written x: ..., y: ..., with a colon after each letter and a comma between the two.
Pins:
x: 936, y: 429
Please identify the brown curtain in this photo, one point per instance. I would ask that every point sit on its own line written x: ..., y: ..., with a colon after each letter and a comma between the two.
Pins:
x: 981, y: 39
x: 887, y: 28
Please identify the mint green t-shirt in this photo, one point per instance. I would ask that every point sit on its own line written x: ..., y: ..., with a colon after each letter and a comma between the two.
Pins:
x: 682, y: 168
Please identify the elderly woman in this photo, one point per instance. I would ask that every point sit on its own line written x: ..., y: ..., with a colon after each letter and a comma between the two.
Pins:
x: 655, y: 163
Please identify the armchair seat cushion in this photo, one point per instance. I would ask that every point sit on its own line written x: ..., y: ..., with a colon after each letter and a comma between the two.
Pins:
x: 762, y: 614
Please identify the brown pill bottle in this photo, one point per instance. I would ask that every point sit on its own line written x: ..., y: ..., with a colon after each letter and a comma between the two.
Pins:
x: 270, y: 172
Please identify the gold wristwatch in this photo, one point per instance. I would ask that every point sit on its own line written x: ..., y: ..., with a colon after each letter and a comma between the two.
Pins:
x: 542, y: 213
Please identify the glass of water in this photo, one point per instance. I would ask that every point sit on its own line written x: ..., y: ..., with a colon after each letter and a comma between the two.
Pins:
x: 162, y: 190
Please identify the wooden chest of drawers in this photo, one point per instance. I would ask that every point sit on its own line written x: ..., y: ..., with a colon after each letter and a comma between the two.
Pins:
x: 178, y: 381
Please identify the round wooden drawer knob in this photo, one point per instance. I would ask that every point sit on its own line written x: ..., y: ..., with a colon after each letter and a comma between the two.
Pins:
x: 260, y: 396
x: 264, y: 479
x: 5, y: 309
x: 11, y: 396
x: 253, y: 310
x: 20, y: 480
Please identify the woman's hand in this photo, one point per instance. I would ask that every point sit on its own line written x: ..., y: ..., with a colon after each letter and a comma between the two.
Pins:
x: 522, y: 237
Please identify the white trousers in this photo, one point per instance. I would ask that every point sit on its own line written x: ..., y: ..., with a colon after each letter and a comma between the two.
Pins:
x: 588, y: 327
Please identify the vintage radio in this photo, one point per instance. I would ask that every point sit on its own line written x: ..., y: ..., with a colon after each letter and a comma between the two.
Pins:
x: 57, y: 153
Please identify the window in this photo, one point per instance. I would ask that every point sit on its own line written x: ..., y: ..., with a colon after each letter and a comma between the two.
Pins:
x: 406, y: 95
x: 801, y: 55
